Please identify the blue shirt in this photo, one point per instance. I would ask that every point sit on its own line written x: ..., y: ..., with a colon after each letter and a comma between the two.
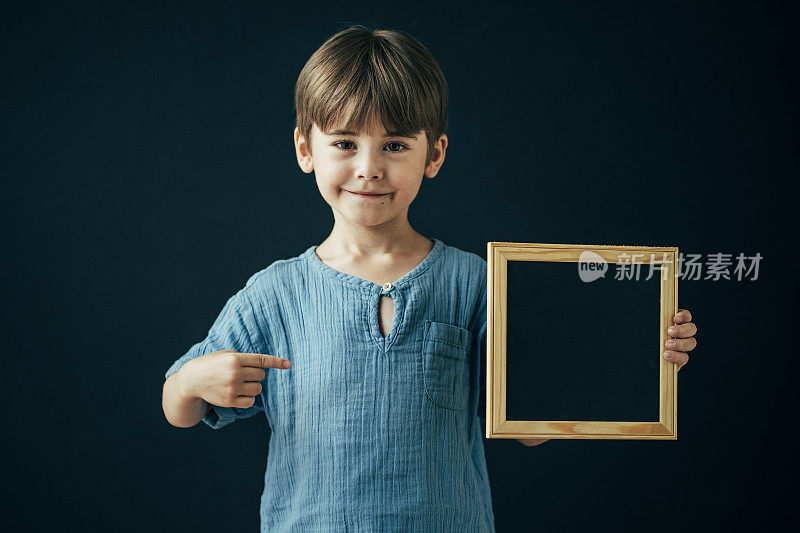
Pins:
x: 368, y: 433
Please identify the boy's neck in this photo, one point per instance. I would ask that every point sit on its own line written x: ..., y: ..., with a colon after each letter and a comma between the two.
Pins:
x: 360, y: 243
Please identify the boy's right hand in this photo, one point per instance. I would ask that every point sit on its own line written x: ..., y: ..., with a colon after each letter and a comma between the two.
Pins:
x: 228, y: 378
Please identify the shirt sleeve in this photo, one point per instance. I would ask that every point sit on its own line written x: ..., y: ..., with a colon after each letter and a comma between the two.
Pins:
x: 235, y: 328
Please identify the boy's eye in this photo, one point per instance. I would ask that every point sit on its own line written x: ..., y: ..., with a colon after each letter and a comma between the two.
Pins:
x: 397, y: 147
x: 400, y: 146
x: 339, y: 143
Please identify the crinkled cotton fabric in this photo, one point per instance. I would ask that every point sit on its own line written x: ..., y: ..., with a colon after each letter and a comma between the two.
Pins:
x: 368, y: 433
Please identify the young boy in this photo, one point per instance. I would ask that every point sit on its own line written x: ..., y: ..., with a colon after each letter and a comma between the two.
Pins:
x: 364, y: 352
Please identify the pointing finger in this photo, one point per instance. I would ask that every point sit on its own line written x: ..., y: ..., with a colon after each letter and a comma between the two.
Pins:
x: 263, y: 361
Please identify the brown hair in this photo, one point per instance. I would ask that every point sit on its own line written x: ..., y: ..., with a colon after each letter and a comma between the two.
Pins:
x: 386, y: 75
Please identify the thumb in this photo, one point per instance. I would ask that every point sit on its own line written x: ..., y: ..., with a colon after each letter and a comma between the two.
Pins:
x: 261, y: 360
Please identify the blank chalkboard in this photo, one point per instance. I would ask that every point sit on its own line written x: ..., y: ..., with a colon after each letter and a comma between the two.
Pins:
x: 571, y: 356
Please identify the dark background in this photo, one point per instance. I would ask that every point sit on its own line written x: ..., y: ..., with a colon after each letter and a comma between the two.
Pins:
x: 148, y: 171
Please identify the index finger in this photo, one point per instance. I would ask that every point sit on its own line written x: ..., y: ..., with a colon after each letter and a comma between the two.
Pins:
x: 261, y: 360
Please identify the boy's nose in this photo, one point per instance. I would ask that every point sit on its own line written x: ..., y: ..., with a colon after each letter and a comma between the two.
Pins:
x: 369, y: 168
x: 374, y: 176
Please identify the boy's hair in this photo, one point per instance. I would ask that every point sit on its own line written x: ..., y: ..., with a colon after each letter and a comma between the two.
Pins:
x: 386, y: 75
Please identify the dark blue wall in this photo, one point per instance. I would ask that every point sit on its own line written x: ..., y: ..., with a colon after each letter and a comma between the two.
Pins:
x: 148, y: 171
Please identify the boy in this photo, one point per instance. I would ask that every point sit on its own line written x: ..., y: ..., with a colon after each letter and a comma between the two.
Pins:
x: 362, y: 352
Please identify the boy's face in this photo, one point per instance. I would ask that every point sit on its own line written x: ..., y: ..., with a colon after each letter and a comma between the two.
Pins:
x: 348, y: 163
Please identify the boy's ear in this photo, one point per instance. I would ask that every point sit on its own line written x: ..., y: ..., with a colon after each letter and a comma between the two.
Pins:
x: 303, y: 152
x: 437, y: 159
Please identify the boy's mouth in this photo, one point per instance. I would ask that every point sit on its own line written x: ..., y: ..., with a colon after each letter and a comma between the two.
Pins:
x: 367, y: 194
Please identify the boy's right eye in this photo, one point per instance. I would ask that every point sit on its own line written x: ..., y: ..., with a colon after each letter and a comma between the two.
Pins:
x: 342, y: 142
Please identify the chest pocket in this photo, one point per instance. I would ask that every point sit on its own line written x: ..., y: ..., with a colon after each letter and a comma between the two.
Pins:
x: 446, y: 356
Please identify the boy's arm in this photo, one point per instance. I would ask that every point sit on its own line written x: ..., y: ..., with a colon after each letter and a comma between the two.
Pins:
x: 234, y: 330
x: 181, y: 408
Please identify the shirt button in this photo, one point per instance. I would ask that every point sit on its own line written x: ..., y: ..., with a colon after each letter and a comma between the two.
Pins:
x: 387, y: 286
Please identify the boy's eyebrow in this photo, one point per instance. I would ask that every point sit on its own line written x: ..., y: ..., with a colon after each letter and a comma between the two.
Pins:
x: 388, y: 134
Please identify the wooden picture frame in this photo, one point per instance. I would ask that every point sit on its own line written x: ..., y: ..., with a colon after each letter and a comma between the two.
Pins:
x: 498, y: 425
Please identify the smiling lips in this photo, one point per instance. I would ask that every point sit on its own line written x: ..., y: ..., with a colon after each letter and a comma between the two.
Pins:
x: 368, y: 194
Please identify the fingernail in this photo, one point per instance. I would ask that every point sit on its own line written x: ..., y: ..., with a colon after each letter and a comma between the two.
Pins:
x: 670, y: 344
x: 666, y: 355
x: 672, y: 331
x: 286, y: 363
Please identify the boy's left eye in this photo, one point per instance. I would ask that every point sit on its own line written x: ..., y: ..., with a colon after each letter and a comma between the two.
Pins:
x: 397, y: 146
x: 401, y: 147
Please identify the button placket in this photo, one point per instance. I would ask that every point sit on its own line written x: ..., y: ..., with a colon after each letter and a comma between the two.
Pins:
x: 385, y: 342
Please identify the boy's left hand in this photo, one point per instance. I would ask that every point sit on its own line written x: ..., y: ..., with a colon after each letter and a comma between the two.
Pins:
x: 682, y: 340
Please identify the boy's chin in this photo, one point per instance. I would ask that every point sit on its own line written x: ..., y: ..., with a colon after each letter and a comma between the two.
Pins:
x: 366, y: 220
x: 369, y: 223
